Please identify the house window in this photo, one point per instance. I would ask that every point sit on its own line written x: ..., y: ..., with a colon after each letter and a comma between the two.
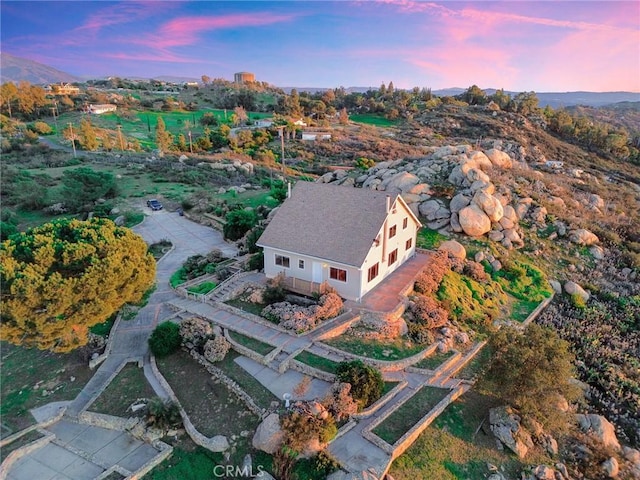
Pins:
x: 373, y: 272
x: 392, y: 232
x: 301, y: 264
x: 282, y: 261
x: 338, y: 274
x: 408, y: 244
x: 393, y: 256
x: 405, y: 222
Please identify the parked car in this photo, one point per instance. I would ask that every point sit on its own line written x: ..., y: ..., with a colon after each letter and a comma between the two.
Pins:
x: 154, y: 204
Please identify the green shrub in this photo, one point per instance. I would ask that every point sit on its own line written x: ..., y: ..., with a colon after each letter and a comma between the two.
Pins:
x: 163, y: 413
x: 274, y: 291
x: 366, y: 381
x: 256, y: 261
x: 165, y: 339
x: 318, y: 467
x: 578, y: 301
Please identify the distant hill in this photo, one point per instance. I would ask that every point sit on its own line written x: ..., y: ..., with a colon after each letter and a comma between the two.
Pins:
x: 15, y: 69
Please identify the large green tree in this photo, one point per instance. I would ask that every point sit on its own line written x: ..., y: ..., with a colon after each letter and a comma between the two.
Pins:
x: 530, y: 370
x: 63, y: 277
x: 81, y: 187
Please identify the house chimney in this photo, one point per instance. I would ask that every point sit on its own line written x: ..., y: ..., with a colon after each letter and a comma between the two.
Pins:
x: 288, y: 189
x: 388, y: 203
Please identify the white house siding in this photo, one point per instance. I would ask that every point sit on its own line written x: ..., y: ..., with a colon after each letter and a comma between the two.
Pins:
x: 349, y: 289
x: 380, y: 253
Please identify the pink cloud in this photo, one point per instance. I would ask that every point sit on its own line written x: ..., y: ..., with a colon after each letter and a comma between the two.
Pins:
x: 185, y: 31
x: 157, y: 56
x: 125, y: 12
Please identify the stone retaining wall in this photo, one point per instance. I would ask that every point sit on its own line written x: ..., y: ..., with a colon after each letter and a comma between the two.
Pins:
x: 107, y: 350
x: 533, y: 315
x: 311, y: 371
x: 373, y: 408
x: 246, y: 351
x: 384, y: 365
x: 338, y: 330
x: 400, y: 446
x: 103, y: 420
x: 165, y: 452
x: 24, y: 450
x: 230, y: 384
x: 194, y: 434
x: 252, y: 317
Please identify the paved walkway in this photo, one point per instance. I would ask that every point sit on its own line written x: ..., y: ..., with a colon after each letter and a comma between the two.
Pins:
x: 386, y: 296
x: 82, y: 452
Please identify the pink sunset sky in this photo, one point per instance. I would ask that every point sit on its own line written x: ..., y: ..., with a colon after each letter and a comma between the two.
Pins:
x: 519, y: 46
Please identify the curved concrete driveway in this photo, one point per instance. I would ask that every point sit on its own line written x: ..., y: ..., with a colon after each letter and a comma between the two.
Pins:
x: 130, y: 338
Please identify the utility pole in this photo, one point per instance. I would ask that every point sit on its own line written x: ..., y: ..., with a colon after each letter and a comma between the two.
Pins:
x: 55, y: 120
x: 73, y: 139
x: 120, y: 137
x: 190, y: 144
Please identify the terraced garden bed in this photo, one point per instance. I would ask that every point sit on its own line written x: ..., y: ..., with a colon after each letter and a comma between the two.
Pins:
x: 434, y: 360
x: 378, y: 350
x: 128, y: 386
x: 255, y: 345
x: 406, y: 416
x: 317, y: 361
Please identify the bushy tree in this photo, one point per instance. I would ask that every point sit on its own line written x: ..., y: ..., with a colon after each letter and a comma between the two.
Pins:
x: 81, y: 187
x: 530, y: 370
x: 366, y: 382
x: 428, y: 312
x: 63, y: 277
x: 238, y: 222
x: 88, y: 136
x: 165, y: 339
x: 164, y: 139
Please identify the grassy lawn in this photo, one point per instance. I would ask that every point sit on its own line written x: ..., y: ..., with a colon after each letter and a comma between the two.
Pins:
x: 28, y: 373
x: 260, y: 394
x: 211, y: 406
x: 249, y: 198
x: 202, y: 288
x: 450, y: 448
x: 388, y: 350
x: 405, y: 417
x: 255, y: 345
x: 104, y: 329
x: 388, y: 386
x: 178, y: 277
x: 434, y: 360
x: 371, y: 119
x: 429, y: 239
x: 255, y: 308
x: 476, y: 366
x: 128, y: 386
x: 521, y: 309
x: 317, y: 361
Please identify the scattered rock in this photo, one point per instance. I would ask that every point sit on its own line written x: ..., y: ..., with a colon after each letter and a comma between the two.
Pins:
x: 573, y: 288
x: 499, y: 158
x: 557, y: 287
x: 505, y: 425
x: 583, y: 236
x: 596, y: 252
x: 611, y: 467
x: 459, y: 202
x: 453, y: 248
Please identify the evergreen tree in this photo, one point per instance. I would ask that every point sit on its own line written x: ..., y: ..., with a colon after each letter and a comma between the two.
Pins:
x: 164, y: 139
x: 63, y: 277
x: 88, y: 137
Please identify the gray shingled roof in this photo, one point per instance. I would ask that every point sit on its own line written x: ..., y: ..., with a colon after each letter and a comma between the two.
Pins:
x: 331, y: 222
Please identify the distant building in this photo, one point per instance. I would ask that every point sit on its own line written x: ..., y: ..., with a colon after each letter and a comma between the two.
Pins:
x: 64, y: 89
x: 103, y: 108
x: 264, y: 122
x: 243, y: 77
x: 313, y: 136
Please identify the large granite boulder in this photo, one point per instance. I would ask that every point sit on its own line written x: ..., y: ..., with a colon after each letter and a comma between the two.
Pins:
x: 474, y: 221
x: 572, y: 288
x: 489, y: 205
x: 269, y: 435
x: 505, y: 425
x: 599, y: 428
x: 459, y: 202
x: 402, y: 182
x: 499, y: 159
